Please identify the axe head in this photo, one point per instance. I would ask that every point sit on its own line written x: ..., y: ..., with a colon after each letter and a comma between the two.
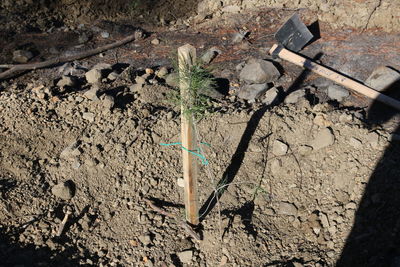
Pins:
x: 293, y: 35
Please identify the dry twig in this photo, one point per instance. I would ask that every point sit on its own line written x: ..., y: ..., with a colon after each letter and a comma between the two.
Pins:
x: 183, y: 224
x: 15, y: 69
x: 68, y: 212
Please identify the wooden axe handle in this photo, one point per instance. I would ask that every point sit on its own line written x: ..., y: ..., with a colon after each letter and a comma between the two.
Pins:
x: 334, y: 76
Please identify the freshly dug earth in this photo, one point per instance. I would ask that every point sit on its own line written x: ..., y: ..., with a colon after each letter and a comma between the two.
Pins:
x: 311, y: 183
x: 292, y: 176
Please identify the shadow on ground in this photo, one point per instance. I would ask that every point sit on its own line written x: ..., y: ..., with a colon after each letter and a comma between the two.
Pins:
x: 375, y: 237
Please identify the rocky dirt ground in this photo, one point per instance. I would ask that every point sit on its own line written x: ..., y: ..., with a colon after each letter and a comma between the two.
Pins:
x: 307, y: 172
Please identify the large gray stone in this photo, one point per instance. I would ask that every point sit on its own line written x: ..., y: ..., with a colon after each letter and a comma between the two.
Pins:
x: 259, y: 71
x: 252, y: 91
x: 382, y: 78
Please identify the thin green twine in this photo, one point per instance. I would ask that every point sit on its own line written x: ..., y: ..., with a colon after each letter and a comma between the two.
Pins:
x: 204, y: 161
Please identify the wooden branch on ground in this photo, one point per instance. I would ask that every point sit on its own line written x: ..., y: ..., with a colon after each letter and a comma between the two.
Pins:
x: 15, y: 69
x: 183, y: 224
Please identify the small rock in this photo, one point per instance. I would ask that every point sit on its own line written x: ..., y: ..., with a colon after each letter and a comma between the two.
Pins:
x: 240, y: 66
x: 180, y: 182
x: 105, y: 34
x: 83, y: 38
x: 279, y: 148
x: 271, y: 96
x: 92, y: 93
x: 322, y: 120
x: 304, y: 149
x: 162, y: 72
x: 67, y: 81
x: 356, y: 143
x: 172, y: 80
x: 145, y: 239
x: 316, y: 230
x: 93, y: 76
x: 88, y: 116
x: 223, y: 261
x: 149, y: 71
x: 136, y: 87
x: 351, y: 206
x: 285, y: 208
x: 323, y: 139
x: 276, y: 166
x: 140, y: 80
x: 252, y: 91
x: 102, y: 66
x: 155, y: 41
x: 112, y: 76
x: 337, y: 92
x: 231, y: 9
x: 294, y: 97
x: 269, y: 211
x: 65, y: 190
x: 210, y: 55
x: 324, y: 220
x: 70, y: 151
x: 297, y: 264
x: 22, y: 56
x: 239, y: 36
x: 108, y: 102
x: 259, y: 72
x: 185, y: 256
x: 382, y: 78
x: 373, y: 139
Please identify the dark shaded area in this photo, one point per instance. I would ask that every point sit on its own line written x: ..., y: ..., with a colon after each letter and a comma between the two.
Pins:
x: 162, y: 203
x: 6, y: 184
x: 12, y: 253
x: 315, y: 31
x: 375, y: 237
x: 222, y: 86
x: 246, y: 215
x: 121, y: 98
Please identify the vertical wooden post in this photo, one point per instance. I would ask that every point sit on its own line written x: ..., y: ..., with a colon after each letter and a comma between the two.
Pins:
x: 186, y: 58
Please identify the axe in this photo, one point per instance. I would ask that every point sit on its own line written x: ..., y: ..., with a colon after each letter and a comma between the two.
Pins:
x: 293, y: 36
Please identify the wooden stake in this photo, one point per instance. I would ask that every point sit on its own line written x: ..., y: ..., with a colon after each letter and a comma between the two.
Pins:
x: 186, y: 58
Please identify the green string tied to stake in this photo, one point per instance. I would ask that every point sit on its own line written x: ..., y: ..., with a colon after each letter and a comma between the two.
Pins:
x: 197, y: 152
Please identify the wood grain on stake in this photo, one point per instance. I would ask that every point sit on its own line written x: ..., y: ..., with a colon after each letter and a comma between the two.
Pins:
x: 334, y: 76
x: 186, y: 58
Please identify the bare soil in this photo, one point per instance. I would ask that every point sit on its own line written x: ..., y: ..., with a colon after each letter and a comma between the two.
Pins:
x: 306, y: 205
